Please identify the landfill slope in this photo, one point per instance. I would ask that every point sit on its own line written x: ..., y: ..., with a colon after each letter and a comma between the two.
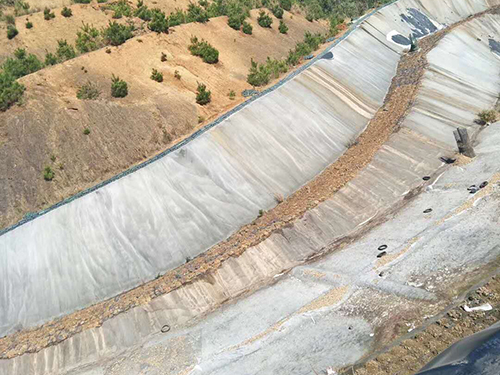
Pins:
x: 150, y: 221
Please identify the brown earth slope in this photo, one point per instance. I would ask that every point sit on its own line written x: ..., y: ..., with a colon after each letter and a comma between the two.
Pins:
x: 47, y: 130
x: 43, y: 37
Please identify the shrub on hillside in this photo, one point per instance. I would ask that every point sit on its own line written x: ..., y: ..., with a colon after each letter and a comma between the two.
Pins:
x: 236, y: 12
x: 11, y: 91
x: 10, y: 19
x: 286, y: 4
x: 50, y: 59
x: 82, y: 1
x: 204, y: 50
x: 259, y: 74
x: 195, y: 13
x: 311, y: 43
x: 88, y: 91
x: 264, y: 19
x: 21, y: 8
x: 316, y: 10
x: 276, y: 67
x: 121, y: 8
x: 66, y: 12
x: 176, y: 18
x: 488, y: 116
x: 293, y: 58
x: 29, y: 25
x: 234, y: 22
x: 116, y: 34
x: 247, y: 28
x: 119, y: 88
x: 48, y: 174
x: 159, y: 22
x: 88, y: 39
x: 65, y: 51
x: 283, y: 28
x: 203, y: 96
x: 143, y: 12
x: 277, y: 12
x: 21, y: 64
x: 238, y: 8
x: 11, y: 32
x: 334, y: 22
x: 156, y: 76
x: 217, y: 8
x: 313, y: 40
x: 48, y: 15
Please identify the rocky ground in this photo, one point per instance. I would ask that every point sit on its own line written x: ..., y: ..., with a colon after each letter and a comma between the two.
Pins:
x: 414, y: 350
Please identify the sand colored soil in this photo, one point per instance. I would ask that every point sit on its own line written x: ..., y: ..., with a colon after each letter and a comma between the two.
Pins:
x: 39, y: 5
x: 47, y: 129
x: 43, y: 36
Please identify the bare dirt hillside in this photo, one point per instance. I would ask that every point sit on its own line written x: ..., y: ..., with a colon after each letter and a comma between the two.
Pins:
x: 168, y: 6
x: 43, y: 36
x: 47, y: 129
x: 40, y: 4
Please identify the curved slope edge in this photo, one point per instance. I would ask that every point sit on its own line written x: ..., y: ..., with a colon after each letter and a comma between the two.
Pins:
x: 147, y: 222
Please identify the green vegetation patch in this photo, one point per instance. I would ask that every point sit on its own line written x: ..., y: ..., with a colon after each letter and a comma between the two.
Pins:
x: 120, y: 9
x: 65, y: 51
x: 88, y: 91
x: 21, y: 64
x: 247, y: 28
x: 156, y: 76
x: 11, y: 32
x: 11, y: 91
x: 203, y: 96
x: 264, y: 20
x: 159, y: 22
x: 119, y: 88
x: 48, y: 14
x: 203, y: 49
x: 116, y: 34
x: 66, y: 12
x: 48, y: 174
x: 88, y: 39
x: 283, y: 28
x: 261, y: 74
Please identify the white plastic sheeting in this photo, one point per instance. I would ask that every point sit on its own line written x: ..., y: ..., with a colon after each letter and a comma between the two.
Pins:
x: 462, y: 79
x: 148, y: 222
